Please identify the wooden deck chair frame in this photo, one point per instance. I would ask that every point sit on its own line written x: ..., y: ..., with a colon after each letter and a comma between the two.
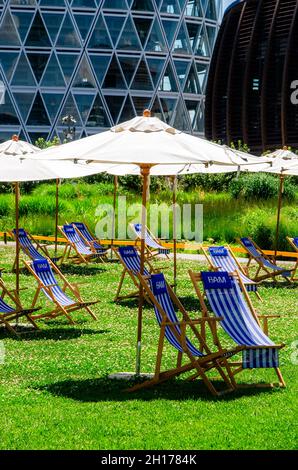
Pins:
x: 195, y: 278
x: 39, y: 247
x: 268, y: 274
x: 7, y: 318
x: 150, y: 253
x: 60, y: 309
x: 77, y: 258
x: 88, y: 242
x: 291, y: 241
x: 133, y: 277
x: 202, y: 365
x: 240, y: 268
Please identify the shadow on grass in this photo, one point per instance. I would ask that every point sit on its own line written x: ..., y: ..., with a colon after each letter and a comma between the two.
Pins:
x: 82, y: 270
x: 109, y: 390
x: 279, y: 285
x: 56, y: 334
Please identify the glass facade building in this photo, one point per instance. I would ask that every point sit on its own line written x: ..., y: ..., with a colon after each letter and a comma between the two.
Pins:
x: 252, y: 91
x: 103, y: 62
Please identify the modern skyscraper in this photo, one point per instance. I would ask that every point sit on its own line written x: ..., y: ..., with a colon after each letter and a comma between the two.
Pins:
x: 102, y: 62
x: 252, y: 91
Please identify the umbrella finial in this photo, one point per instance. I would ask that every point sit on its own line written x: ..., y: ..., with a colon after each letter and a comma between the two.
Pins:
x: 147, y: 113
x: 15, y: 138
x: 285, y: 147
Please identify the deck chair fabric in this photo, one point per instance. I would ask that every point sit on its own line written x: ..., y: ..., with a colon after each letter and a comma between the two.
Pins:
x: 45, y: 273
x: 83, y: 253
x: 221, y: 259
x: 294, y: 243
x: 265, y: 264
x: 162, y: 297
x: 9, y: 313
x: 150, y: 241
x: 131, y: 261
x: 87, y: 237
x: 27, y: 246
x: 228, y: 302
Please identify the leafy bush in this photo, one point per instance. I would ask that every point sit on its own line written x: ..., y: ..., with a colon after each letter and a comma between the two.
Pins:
x: 260, y: 186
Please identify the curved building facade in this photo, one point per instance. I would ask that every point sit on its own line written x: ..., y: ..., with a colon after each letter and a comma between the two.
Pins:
x: 252, y: 91
x: 103, y: 62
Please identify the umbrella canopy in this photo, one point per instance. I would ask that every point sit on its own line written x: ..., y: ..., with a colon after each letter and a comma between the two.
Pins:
x: 147, y: 140
x: 15, y: 165
x: 283, y: 162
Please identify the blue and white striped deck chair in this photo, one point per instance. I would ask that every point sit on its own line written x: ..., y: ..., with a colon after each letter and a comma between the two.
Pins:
x: 265, y: 265
x: 228, y: 301
x: 294, y: 243
x: 9, y: 313
x: 221, y: 258
x: 88, y: 238
x: 174, y: 331
x: 83, y: 253
x: 131, y: 261
x: 153, y: 245
x: 46, y: 274
x: 27, y: 243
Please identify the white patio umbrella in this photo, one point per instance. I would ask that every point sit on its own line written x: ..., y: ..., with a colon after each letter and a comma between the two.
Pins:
x: 15, y: 167
x: 284, y: 163
x: 149, y: 144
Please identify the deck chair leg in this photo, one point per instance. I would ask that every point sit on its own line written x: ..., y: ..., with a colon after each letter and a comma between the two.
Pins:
x: 159, y: 352
x: 179, y: 359
x: 90, y: 312
x: 258, y: 296
x: 206, y: 381
x: 120, y: 285
x: 280, y: 377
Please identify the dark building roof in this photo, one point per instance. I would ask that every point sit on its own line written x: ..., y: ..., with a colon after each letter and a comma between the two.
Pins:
x: 253, y: 78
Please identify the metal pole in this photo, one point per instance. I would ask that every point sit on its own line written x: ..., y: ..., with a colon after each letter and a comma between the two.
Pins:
x: 174, y: 182
x: 280, y: 193
x: 114, y: 213
x: 145, y: 172
x: 17, y: 200
x: 56, y: 216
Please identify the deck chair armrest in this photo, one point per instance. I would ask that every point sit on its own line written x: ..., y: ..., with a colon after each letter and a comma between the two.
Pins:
x: 268, y: 316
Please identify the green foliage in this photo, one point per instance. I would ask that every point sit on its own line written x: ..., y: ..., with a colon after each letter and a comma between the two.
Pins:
x: 5, y: 205
x: 44, y: 144
x: 44, y: 206
x: 260, y: 186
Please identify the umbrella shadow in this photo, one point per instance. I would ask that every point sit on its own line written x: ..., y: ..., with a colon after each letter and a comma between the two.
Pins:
x: 115, y: 390
x: 56, y: 334
x: 82, y: 270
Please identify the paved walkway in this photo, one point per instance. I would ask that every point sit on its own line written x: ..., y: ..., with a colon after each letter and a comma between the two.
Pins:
x: 185, y: 256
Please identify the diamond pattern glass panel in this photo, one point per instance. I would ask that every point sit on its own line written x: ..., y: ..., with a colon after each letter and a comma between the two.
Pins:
x: 103, y: 62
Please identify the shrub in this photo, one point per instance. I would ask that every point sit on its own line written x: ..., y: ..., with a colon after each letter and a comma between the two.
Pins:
x: 260, y: 186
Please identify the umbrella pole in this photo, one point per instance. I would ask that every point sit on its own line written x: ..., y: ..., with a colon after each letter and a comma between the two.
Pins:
x: 17, y: 201
x: 174, y: 182
x: 56, y: 216
x: 280, y: 193
x: 114, y: 213
x: 145, y: 172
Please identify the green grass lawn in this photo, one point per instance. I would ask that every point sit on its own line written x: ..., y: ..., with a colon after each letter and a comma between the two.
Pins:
x: 55, y: 392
